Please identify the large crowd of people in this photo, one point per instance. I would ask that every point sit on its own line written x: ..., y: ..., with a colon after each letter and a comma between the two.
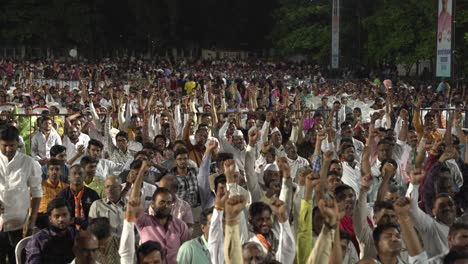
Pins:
x: 134, y: 161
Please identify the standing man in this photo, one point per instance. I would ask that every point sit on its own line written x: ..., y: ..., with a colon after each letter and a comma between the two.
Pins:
x: 20, y: 182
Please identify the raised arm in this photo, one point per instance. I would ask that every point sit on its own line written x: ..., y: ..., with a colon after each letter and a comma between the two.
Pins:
x: 388, y: 172
x: 232, y: 244
x: 216, y: 236
x: 287, y: 245
x: 206, y: 196
x: 361, y: 227
x: 402, y: 208
x: 252, y: 181
x: 304, y: 232
x: 322, y: 248
x: 423, y: 221
x: 403, y: 133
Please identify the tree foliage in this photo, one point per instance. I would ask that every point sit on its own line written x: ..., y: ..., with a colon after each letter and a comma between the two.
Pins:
x: 303, y: 27
x: 402, y: 31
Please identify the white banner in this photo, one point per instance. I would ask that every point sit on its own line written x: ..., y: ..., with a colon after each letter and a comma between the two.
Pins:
x: 444, y: 39
x: 335, y: 45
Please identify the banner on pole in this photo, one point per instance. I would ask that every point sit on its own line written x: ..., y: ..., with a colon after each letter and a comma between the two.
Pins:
x: 335, y: 45
x: 444, y: 39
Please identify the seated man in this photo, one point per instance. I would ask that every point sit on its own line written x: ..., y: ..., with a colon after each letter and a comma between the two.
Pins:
x: 112, y: 206
x: 50, y: 188
x: 194, y: 251
x: 78, y: 196
x: 90, y: 179
x: 57, y: 152
x: 108, y: 243
x: 53, y: 244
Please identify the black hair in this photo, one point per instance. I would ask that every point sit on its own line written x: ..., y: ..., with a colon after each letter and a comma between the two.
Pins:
x: 57, y: 203
x: 380, y: 229
x: 134, y: 116
x: 159, y: 136
x: 141, y: 152
x: 204, y: 215
x: 136, y: 164
x: 158, y: 191
x: 57, y: 149
x: 257, y: 208
x: 219, y: 179
x: 147, y: 248
x: 86, y: 160
x: 180, y: 151
x: 455, y: 227
x: 345, y: 124
x: 9, y: 133
x: 333, y: 173
x: 122, y: 134
x: 341, y: 189
x: 96, y: 143
x: 201, y: 128
x: 223, y: 156
x: 46, y: 118
x: 149, y: 145
x: 100, y: 227
x: 181, y: 142
x: 55, y: 162
x: 345, y: 146
x: 380, y: 205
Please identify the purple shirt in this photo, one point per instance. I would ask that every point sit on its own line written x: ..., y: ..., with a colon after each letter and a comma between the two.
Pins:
x: 171, y: 239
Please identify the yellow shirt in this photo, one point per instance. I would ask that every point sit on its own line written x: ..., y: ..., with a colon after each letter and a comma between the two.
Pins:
x: 49, y: 192
x: 98, y: 185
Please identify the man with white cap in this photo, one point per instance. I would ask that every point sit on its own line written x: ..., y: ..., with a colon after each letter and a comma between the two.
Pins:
x: 236, y: 146
x: 276, y: 138
x: 296, y: 162
x: 277, y: 178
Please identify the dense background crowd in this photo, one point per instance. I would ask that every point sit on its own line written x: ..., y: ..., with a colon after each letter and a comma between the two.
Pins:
x: 184, y: 161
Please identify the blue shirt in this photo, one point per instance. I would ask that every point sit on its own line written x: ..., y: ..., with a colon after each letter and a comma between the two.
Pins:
x: 48, y: 246
x: 63, y: 177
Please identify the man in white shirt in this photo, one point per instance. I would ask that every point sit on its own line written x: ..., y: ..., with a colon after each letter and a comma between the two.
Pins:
x: 351, y: 168
x: 20, y: 195
x: 85, y: 248
x: 105, y: 167
x: 236, y: 146
x: 43, y: 140
x: 296, y: 162
x: 73, y: 140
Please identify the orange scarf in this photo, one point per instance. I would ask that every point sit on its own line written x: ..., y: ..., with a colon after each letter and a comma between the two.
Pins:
x: 78, y: 206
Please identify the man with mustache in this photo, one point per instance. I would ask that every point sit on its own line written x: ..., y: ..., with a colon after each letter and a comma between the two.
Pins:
x: 457, y: 241
x: 53, y: 244
x: 169, y: 231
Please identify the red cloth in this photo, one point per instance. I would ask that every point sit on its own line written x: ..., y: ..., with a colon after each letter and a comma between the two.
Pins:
x: 346, y: 225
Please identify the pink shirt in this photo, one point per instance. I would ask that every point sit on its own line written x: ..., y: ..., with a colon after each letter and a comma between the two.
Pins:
x: 171, y: 239
x: 180, y: 209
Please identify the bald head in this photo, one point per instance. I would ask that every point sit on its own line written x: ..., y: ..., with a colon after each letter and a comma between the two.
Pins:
x: 85, y: 248
x: 169, y: 182
x: 113, y: 190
